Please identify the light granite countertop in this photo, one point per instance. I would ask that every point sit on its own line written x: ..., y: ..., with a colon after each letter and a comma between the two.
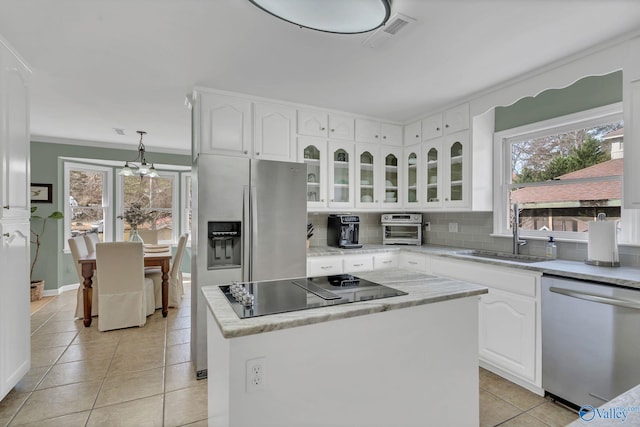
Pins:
x: 622, y: 410
x: 421, y: 288
x: 620, y: 276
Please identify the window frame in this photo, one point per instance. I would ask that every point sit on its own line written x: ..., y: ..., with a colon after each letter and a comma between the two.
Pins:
x: 175, y: 208
x: 107, y: 212
x: 502, y: 170
x: 186, y: 196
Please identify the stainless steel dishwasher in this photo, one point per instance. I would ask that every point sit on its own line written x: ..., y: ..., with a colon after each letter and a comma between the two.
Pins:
x: 590, y: 340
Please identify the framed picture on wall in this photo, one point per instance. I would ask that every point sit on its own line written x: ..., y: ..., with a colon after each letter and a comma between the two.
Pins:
x: 41, y: 193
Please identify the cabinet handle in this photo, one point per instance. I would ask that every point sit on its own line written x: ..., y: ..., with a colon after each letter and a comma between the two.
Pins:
x: 6, y: 235
x: 386, y: 262
x: 322, y: 128
x: 322, y: 200
x: 446, y: 199
x: 6, y: 207
x: 333, y: 130
x: 413, y: 262
x: 326, y: 267
x: 357, y: 265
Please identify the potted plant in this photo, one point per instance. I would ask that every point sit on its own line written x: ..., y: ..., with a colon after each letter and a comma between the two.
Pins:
x: 38, y: 226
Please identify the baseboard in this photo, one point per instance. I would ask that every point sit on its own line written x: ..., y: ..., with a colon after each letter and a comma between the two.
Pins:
x: 508, y: 376
x: 61, y: 289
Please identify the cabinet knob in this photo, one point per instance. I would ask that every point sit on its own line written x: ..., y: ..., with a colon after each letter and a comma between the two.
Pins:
x: 438, y: 129
x: 322, y: 200
x: 245, y: 152
x: 446, y: 199
x: 384, y: 137
x: 333, y: 130
x: 417, y: 136
x: 376, y: 136
x: 331, y: 200
x: 257, y: 153
x: 376, y: 201
x: 322, y: 128
x: 446, y: 125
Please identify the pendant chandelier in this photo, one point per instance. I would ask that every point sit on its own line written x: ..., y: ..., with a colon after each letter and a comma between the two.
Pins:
x: 143, y: 169
x: 331, y: 16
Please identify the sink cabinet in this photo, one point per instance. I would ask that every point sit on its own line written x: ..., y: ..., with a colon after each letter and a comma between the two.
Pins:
x: 509, y: 320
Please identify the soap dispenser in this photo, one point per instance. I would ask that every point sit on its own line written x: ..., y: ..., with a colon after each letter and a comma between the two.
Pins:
x: 552, y: 249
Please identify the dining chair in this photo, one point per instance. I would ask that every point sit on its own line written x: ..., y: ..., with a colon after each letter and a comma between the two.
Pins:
x: 149, y: 236
x: 79, y: 249
x: 91, y: 239
x: 126, y: 296
x: 176, y: 288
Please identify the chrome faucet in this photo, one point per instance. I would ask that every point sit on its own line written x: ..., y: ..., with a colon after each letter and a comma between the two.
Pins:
x: 515, y: 229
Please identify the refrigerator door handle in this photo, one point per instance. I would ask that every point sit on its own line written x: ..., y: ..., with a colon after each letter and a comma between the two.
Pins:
x: 246, y: 234
x: 254, y: 225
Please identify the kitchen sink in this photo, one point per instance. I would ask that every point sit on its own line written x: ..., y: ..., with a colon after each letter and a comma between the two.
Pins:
x: 503, y: 256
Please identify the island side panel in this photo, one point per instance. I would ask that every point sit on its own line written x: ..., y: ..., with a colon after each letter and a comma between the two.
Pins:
x: 218, y: 381
x: 411, y: 367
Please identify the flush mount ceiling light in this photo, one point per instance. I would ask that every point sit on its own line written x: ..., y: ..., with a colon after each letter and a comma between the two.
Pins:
x: 144, y: 169
x: 331, y: 16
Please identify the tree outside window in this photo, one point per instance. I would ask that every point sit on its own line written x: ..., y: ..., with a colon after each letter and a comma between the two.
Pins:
x: 155, y: 197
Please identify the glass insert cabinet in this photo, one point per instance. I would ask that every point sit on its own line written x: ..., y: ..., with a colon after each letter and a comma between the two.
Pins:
x: 341, y: 167
x: 446, y: 164
x: 314, y: 155
x: 367, y: 175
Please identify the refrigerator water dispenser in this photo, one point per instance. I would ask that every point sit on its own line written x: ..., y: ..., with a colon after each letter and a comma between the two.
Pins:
x: 224, y: 245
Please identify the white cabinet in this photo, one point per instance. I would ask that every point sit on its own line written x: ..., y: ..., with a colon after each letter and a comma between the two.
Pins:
x: 367, y: 179
x: 509, y: 318
x: 341, y: 171
x: 356, y: 263
x: 222, y: 125
x: 412, y: 165
x: 322, y: 124
x: 450, y: 121
x: 372, y: 131
x: 447, y: 177
x: 413, y: 133
x: 324, y: 266
x: 15, y: 333
x: 14, y: 136
x: 313, y: 152
x: 274, y: 132
x: 385, y: 260
x: 391, y: 174
x: 415, y: 261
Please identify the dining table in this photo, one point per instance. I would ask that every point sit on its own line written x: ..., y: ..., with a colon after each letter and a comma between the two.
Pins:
x: 152, y: 259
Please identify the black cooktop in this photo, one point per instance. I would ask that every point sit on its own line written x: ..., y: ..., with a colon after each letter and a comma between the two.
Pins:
x: 252, y: 299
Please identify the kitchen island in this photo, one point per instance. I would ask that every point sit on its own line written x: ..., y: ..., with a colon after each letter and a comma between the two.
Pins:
x: 410, y: 360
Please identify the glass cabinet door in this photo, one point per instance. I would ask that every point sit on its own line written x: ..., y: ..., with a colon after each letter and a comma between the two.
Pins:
x: 391, y: 179
x: 456, y: 176
x: 341, y: 176
x: 412, y: 178
x: 432, y: 176
x: 313, y: 158
x: 366, y: 177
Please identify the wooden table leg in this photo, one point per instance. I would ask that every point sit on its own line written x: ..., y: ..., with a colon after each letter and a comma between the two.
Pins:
x: 87, y: 292
x: 165, y: 288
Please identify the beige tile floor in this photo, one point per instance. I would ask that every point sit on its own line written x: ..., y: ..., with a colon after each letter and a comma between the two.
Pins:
x: 142, y: 377
x: 131, y: 377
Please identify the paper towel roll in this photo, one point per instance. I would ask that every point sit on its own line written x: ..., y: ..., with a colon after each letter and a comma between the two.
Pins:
x: 603, y: 245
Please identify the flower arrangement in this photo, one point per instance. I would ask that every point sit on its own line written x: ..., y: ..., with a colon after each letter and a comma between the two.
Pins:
x: 135, y: 215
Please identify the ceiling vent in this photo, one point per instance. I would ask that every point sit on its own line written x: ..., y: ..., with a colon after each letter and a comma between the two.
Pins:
x: 118, y: 131
x: 396, y: 23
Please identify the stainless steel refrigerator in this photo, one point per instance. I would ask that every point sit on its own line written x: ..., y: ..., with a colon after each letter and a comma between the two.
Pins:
x: 249, y: 223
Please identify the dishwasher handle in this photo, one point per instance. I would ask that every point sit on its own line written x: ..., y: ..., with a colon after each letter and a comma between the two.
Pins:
x: 596, y: 298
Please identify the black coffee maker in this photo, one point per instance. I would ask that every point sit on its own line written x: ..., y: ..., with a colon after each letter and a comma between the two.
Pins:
x: 343, y: 231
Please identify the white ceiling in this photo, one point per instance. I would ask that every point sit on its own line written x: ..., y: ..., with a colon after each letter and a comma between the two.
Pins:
x: 104, y: 64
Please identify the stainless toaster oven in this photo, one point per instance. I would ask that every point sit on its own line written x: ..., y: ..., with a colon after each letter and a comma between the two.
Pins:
x: 401, y: 229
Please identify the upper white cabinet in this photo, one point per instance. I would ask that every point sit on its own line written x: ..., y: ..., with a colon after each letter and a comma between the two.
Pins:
x: 413, y: 133
x: 391, y: 176
x: 412, y: 165
x: 274, y: 132
x: 371, y: 131
x: 222, y: 125
x: 313, y: 152
x: 367, y: 179
x: 448, y: 122
x: 14, y: 136
x: 447, y: 177
x: 341, y: 171
x: 323, y: 124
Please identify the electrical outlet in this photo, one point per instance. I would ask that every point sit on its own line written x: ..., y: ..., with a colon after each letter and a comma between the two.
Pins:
x: 453, y: 227
x: 255, y: 374
x: 427, y: 226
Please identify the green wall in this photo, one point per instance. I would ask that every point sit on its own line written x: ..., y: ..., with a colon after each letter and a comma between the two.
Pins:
x: 587, y: 93
x: 55, y: 267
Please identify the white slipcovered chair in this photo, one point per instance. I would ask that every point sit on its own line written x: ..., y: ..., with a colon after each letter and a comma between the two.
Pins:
x: 126, y: 296
x: 176, y: 289
x: 79, y: 249
x: 91, y: 240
